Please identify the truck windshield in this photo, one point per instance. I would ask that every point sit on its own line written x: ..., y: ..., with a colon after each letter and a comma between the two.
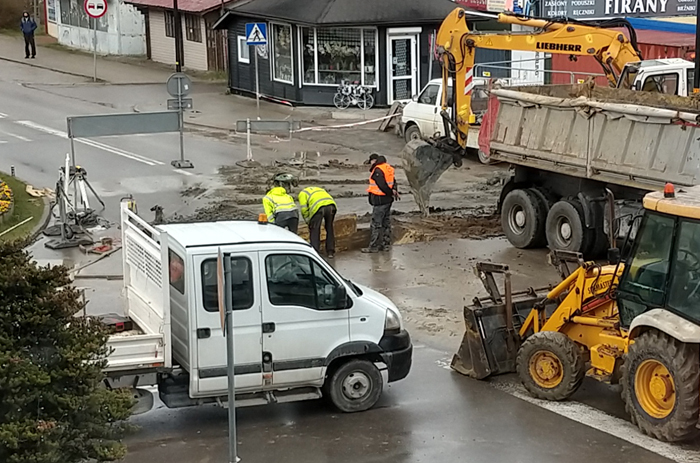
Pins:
x: 643, y: 284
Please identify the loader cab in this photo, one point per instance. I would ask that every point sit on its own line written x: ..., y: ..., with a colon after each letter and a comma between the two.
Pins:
x: 663, y: 270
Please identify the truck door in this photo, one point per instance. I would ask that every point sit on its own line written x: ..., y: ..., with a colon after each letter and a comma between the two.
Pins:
x: 301, y: 321
x: 211, y: 345
x: 426, y: 110
x: 661, y: 82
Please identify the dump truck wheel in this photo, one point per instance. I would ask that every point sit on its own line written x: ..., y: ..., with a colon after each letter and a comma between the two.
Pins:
x: 660, y: 383
x: 412, y: 132
x: 483, y: 157
x: 523, y: 218
x: 565, y: 228
x: 355, y: 386
x: 550, y: 365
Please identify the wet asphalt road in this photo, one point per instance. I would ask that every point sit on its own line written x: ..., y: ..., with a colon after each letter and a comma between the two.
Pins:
x: 434, y: 415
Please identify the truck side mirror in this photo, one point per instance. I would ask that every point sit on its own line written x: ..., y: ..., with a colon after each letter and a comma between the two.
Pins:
x: 614, y: 256
x: 414, y: 98
x: 341, y: 298
x: 637, y: 85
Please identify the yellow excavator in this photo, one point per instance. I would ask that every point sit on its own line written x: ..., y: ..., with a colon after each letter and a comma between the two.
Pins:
x: 425, y: 161
x: 636, y: 323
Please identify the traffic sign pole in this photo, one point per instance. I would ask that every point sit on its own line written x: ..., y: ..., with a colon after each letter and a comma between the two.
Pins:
x: 256, y: 35
x: 178, y: 86
x: 94, y: 50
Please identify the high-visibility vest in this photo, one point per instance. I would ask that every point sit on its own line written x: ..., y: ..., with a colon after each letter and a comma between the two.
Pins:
x: 277, y: 200
x: 312, y: 199
x: 388, y: 176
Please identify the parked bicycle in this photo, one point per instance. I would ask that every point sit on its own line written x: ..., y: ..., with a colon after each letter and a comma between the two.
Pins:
x: 353, y: 94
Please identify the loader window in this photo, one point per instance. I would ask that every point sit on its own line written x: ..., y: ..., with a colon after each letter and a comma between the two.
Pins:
x: 643, y: 284
x: 241, y: 284
x: 684, y: 288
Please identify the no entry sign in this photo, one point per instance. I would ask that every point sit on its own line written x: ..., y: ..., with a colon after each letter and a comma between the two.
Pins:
x: 95, y: 8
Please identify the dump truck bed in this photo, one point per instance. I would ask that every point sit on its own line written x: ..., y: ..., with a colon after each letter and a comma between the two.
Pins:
x: 636, y: 139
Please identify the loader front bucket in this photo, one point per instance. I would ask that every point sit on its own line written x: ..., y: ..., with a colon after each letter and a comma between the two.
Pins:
x: 491, y: 340
x: 424, y: 164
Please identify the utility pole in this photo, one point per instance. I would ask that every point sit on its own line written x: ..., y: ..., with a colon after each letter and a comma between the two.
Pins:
x: 696, y: 75
x: 178, y: 37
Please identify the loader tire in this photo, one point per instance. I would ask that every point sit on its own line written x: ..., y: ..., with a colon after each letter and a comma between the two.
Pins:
x: 550, y: 365
x: 523, y: 216
x: 660, y: 384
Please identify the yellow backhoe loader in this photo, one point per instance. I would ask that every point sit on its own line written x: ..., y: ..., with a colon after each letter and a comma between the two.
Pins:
x: 635, y: 322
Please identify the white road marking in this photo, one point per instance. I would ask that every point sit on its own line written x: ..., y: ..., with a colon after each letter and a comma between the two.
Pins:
x: 93, y: 143
x: 592, y: 417
x: 184, y: 172
x: 601, y: 421
x: 3, y: 141
x: 18, y: 137
x: 3, y: 115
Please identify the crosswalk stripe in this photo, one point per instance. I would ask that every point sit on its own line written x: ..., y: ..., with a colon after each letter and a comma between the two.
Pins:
x: 18, y: 137
x: 3, y: 115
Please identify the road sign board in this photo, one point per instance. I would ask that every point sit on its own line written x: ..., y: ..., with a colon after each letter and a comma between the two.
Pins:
x: 95, y: 8
x: 175, y: 104
x: 256, y: 33
x: 101, y: 125
x: 179, y: 85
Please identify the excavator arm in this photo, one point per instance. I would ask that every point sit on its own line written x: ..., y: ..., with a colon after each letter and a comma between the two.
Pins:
x: 457, y: 46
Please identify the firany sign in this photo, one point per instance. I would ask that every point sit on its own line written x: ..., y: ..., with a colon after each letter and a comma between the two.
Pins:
x: 600, y: 9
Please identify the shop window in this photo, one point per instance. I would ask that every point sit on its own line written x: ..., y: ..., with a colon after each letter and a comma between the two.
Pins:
x: 334, y: 55
x: 193, y: 28
x: 73, y: 14
x: 282, y: 53
x: 169, y: 24
x: 243, y: 50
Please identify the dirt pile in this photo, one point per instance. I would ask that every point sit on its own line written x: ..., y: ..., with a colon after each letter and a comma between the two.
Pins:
x: 412, y: 228
x: 616, y: 95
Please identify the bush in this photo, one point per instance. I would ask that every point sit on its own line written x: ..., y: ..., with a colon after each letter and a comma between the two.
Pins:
x: 53, y: 407
x: 11, y: 12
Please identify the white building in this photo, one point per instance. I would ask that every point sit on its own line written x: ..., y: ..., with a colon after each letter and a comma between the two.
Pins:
x: 121, y: 31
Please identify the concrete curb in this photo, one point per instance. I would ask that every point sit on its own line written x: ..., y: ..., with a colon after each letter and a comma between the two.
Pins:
x: 47, y: 68
x: 44, y: 222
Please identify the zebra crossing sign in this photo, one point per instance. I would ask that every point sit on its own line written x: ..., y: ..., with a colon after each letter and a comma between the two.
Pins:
x: 256, y: 33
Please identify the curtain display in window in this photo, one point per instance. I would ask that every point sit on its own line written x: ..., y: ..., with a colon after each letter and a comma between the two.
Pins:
x: 282, y: 52
x: 335, y: 55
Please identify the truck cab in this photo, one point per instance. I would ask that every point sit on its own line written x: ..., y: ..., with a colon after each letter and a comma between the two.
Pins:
x: 301, y: 331
x: 671, y: 76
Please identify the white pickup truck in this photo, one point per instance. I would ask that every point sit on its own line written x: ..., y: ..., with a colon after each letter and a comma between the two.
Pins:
x: 301, y: 330
x: 421, y: 116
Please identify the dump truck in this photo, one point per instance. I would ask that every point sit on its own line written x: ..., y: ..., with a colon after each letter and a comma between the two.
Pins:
x: 634, y: 321
x: 301, y: 330
x: 572, y: 147
x: 567, y: 150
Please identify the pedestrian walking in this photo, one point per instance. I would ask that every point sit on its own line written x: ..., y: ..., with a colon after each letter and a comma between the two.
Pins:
x: 382, y: 193
x: 317, y: 207
x: 280, y: 207
x: 28, y: 26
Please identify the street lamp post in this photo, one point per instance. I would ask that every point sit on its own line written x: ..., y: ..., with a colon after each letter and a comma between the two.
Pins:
x: 178, y: 36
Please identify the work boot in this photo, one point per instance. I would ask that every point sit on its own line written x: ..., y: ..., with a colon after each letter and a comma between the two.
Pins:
x: 331, y: 255
x: 369, y: 250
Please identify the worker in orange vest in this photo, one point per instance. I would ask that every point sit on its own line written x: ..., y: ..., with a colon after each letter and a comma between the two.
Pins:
x: 382, y: 193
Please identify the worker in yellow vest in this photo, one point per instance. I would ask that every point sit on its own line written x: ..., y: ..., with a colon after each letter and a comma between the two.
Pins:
x: 280, y: 207
x: 382, y: 193
x: 318, y: 206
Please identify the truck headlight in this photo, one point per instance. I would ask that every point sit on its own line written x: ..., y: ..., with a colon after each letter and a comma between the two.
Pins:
x: 392, y: 322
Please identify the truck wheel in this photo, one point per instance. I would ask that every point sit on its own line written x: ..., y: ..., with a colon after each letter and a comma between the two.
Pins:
x: 566, y: 228
x: 550, y: 365
x: 523, y: 217
x: 483, y: 157
x: 412, y: 132
x: 355, y: 386
x: 660, y: 383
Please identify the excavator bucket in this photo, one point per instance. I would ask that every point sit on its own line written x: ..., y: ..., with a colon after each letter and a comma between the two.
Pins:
x: 423, y: 164
x: 491, y: 341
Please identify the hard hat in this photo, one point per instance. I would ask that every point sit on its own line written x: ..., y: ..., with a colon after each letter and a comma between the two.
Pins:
x: 283, y: 178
